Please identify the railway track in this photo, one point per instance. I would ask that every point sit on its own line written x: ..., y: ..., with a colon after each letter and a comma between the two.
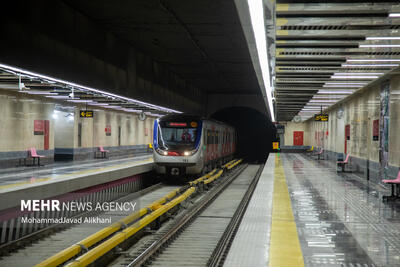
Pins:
x: 200, y: 237
x: 43, y: 248
x: 137, y: 237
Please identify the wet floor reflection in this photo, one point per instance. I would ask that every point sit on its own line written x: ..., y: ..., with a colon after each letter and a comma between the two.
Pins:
x: 341, y: 221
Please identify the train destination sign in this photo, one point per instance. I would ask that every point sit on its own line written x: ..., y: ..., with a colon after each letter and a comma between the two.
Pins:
x: 321, y: 117
x: 86, y: 113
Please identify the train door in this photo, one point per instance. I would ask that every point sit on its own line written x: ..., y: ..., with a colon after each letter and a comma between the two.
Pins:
x: 347, y: 137
x: 298, y: 138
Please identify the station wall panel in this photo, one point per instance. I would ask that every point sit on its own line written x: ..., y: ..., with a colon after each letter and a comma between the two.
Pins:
x: 19, y: 112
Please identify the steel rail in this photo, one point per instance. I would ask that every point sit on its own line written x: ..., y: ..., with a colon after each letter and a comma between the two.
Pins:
x: 184, y: 221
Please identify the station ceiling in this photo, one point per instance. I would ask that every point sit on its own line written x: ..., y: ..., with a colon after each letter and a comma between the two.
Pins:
x: 325, y: 50
x: 201, y: 41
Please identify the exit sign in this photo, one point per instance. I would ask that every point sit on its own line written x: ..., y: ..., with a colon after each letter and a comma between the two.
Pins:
x: 86, y: 113
x: 321, y: 117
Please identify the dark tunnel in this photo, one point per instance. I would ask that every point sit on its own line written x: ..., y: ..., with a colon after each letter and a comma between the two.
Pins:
x: 255, y: 132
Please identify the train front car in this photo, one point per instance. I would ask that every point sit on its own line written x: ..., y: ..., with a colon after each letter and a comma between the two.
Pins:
x: 177, y: 142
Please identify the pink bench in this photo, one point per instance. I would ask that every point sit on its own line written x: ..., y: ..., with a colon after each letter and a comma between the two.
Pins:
x: 320, y: 153
x: 103, y: 152
x: 33, y: 154
x: 395, y: 183
x: 343, y: 163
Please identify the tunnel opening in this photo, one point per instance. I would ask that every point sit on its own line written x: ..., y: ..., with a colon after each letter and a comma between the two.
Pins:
x: 255, y: 131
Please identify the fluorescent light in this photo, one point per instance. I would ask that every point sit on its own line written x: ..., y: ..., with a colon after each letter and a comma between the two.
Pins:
x: 354, y: 77
x: 38, y: 93
x: 58, y: 96
x: 321, y: 101
x: 370, y: 65
x: 378, y: 45
x: 97, y: 104
x: 344, y: 86
x: 383, y: 38
x: 341, y: 92
x: 256, y: 9
x: 327, y: 97
x: 344, y: 83
x: 374, y: 60
x: 84, y: 88
x: 394, y: 15
x: 79, y: 101
x: 359, y: 73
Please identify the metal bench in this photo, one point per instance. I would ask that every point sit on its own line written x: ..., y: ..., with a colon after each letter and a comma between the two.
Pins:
x: 33, y: 154
x: 103, y: 152
x: 395, y: 184
x: 343, y: 163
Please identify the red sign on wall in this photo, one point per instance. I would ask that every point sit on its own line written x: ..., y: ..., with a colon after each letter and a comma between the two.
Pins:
x: 108, y: 130
x: 375, y: 130
x: 146, y: 131
x: 38, y: 127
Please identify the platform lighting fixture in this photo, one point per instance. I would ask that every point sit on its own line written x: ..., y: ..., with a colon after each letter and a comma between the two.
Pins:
x: 373, y: 60
x: 377, y: 45
x: 346, y: 83
x: 394, y: 15
x: 354, y: 77
x: 321, y: 101
x: 327, y: 97
x: 40, y: 93
x: 33, y: 75
x: 340, y: 86
x: 383, y: 38
x: 369, y: 65
x: 358, y: 73
x: 58, y: 96
x: 338, y: 92
x: 256, y: 10
x: 79, y: 101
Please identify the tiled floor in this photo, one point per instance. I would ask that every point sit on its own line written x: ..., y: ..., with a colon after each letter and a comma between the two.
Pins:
x: 341, y: 220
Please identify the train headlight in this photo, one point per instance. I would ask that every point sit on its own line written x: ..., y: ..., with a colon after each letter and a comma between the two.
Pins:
x: 189, y: 153
x: 162, y: 152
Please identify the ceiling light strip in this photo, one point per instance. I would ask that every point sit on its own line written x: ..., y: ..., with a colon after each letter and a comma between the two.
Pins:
x: 81, y: 87
x: 256, y: 9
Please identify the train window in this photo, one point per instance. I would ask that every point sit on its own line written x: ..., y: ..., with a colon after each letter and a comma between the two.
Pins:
x: 208, y: 137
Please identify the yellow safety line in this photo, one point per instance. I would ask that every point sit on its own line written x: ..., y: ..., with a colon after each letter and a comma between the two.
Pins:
x: 63, y: 176
x: 285, y: 247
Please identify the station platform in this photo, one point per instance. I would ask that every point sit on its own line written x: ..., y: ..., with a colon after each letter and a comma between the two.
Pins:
x: 304, y: 213
x: 60, y: 178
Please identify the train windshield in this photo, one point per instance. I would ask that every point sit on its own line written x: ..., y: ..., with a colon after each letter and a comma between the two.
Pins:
x: 175, y: 136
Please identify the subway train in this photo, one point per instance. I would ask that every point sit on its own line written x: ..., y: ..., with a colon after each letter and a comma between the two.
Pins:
x: 187, y: 145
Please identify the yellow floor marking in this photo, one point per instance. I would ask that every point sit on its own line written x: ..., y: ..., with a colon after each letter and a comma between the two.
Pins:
x: 285, y: 247
x: 62, y: 176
